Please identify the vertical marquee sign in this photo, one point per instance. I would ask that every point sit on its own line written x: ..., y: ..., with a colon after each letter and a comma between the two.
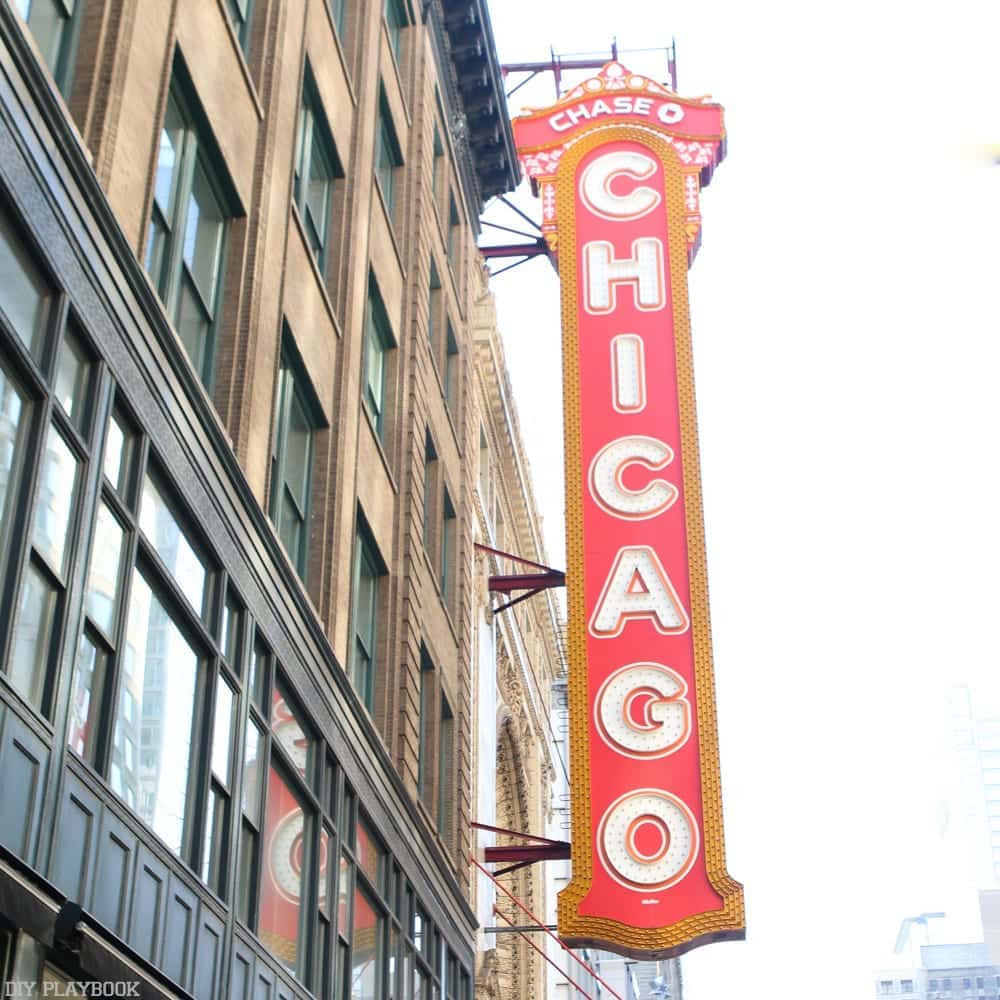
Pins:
x: 619, y: 164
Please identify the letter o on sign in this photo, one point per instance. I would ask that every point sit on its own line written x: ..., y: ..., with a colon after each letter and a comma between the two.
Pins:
x: 648, y: 840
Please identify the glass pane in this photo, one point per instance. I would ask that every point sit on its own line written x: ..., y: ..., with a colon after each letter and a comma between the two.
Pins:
x: 193, y: 325
x: 214, y: 844
x: 155, y: 711
x: 290, y: 733
x: 231, y: 616
x: 344, y: 896
x: 375, y: 369
x: 116, y: 454
x: 11, y: 408
x: 222, y: 732
x: 282, y: 878
x: 326, y: 847
x: 253, y: 772
x: 245, y: 888
x: 54, y: 503
x: 24, y: 293
x: 369, y: 855
x: 47, y: 20
x: 258, y: 675
x: 167, y: 174
x: 105, y: 562
x: 290, y: 529
x: 160, y: 527
x: 299, y: 452
x: 203, y: 235
x: 32, y: 634
x: 365, y: 952
x: 318, y: 193
x: 72, y: 378
x: 85, y: 702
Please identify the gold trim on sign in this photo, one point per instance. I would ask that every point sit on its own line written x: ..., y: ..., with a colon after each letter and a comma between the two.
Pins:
x: 727, y: 922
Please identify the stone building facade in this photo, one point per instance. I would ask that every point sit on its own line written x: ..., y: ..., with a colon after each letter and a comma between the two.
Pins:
x: 248, y: 367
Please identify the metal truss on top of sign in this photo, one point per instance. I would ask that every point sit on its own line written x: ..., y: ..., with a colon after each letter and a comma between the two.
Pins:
x: 619, y: 163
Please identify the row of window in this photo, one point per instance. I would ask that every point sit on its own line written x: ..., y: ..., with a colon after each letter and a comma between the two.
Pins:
x: 171, y: 693
x: 945, y: 984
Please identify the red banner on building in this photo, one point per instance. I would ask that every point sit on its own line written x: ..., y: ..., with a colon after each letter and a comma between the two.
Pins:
x: 619, y: 164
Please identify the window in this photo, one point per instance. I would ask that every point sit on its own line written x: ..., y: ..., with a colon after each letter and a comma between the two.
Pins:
x: 240, y: 14
x: 337, y: 11
x: 430, y: 480
x: 46, y: 383
x: 445, y: 755
x: 316, y: 168
x: 184, y: 254
x: 885, y: 986
x: 433, y: 308
x: 451, y: 371
x: 906, y: 985
x: 395, y: 21
x: 454, y: 222
x: 946, y: 984
x: 53, y: 25
x: 368, y: 571
x: 296, y: 421
x: 425, y: 750
x: 378, y: 342
x: 448, y: 527
x: 933, y: 984
x: 388, y: 156
x: 437, y: 177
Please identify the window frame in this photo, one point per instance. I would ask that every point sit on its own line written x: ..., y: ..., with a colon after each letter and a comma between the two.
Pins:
x: 164, y: 256
x: 368, y: 564
x: 378, y: 341
x: 314, y: 143
x: 293, y: 389
x: 62, y: 62
x: 388, y: 156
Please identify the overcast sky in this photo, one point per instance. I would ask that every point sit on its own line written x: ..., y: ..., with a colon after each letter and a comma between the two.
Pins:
x: 844, y: 310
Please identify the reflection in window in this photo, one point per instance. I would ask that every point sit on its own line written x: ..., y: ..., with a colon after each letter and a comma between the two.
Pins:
x: 282, y: 880
x: 105, y: 563
x: 54, y: 504
x: 289, y: 732
x: 32, y: 634
x: 159, y: 676
x: 73, y: 378
x: 11, y: 409
x: 366, y: 934
x: 24, y: 293
x: 85, y: 701
x: 172, y: 545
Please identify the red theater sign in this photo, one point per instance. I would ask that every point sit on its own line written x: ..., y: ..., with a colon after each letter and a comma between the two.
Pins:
x: 619, y: 164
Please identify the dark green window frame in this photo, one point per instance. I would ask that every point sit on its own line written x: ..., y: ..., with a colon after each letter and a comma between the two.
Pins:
x: 396, y: 21
x: 317, y: 168
x: 55, y: 26
x: 241, y: 16
x: 452, y: 369
x: 449, y: 524
x: 298, y: 418
x: 445, y: 761
x: 369, y: 570
x: 192, y: 206
x: 379, y: 341
x: 388, y: 155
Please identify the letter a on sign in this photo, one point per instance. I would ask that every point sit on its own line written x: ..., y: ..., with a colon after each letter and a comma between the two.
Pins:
x: 619, y: 165
x: 638, y: 588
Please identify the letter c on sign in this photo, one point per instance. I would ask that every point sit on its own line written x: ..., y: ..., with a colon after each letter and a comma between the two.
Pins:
x: 608, y: 468
x: 648, y: 840
x: 595, y: 185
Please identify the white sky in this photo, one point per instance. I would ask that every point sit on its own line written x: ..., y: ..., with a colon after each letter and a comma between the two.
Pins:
x: 847, y: 361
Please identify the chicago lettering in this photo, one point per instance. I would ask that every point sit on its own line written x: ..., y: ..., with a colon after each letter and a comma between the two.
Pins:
x: 647, y: 839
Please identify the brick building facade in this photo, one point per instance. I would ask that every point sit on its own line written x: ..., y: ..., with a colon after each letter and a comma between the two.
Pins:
x: 243, y: 408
